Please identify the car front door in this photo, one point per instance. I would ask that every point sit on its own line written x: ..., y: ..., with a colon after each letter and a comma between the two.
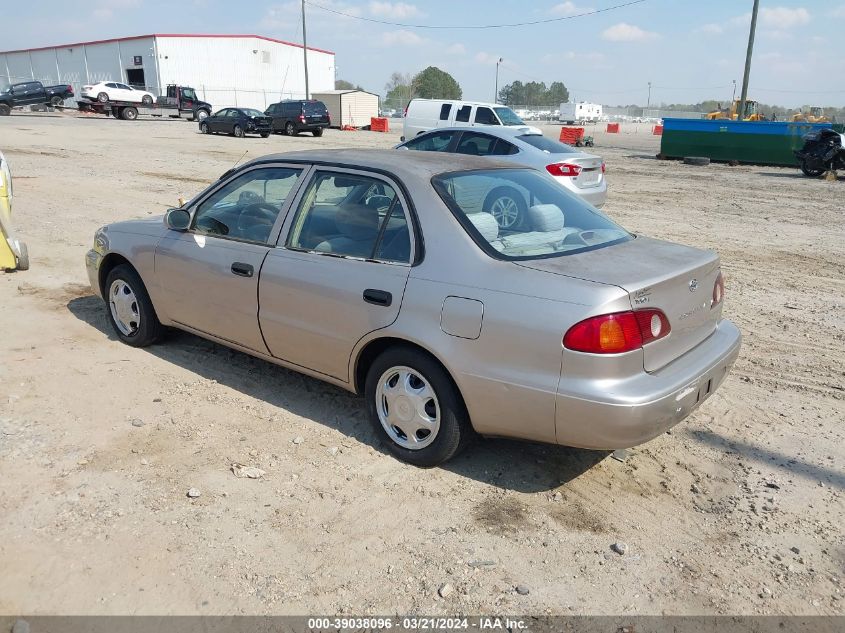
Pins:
x: 339, y: 271
x: 217, y: 122
x: 208, y: 275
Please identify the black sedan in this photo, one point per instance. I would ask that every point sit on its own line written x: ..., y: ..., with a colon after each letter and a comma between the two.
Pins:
x: 237, y: 122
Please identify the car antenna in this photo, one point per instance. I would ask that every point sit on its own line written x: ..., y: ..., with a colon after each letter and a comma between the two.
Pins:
x: 232, y: 168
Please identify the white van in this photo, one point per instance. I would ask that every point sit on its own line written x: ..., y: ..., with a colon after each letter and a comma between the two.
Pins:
x: 423, y: 115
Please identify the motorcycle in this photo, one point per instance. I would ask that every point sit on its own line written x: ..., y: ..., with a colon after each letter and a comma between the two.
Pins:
x: 824, y: 150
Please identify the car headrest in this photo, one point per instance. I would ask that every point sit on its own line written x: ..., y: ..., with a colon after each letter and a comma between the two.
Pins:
x: 546, y: 217
x: 486, y: 225
x: 357, y: 221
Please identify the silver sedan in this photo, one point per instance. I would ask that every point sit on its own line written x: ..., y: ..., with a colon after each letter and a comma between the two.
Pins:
x: 383, y: 273
x: 579, y: 172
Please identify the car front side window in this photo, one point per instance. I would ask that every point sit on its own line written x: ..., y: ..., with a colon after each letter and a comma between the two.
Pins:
x: 352, y: 216
x: 246, y: 207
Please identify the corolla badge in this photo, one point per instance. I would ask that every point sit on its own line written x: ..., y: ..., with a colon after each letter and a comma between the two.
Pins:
x: 693, y: 285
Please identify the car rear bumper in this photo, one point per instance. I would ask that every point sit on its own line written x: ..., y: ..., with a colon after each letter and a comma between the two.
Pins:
x: 93, y: 259
x: 595, y: 196
x: 611, y: 415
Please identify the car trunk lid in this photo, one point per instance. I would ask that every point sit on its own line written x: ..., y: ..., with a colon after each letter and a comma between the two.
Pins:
x: 660, y: 275
x: 591, y: 173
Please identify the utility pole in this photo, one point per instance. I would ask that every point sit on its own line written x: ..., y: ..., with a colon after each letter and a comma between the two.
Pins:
x: 744, y: 95
x: 496, y: 95
x: 649, y: 96
x: 733, y: 96
x: 305, y: 51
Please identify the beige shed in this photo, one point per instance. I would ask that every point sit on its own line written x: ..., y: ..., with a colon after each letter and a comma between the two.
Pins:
x: 349, y: 107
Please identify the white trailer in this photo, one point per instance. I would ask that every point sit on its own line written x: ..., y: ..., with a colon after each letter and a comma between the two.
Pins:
x: 582, y: 112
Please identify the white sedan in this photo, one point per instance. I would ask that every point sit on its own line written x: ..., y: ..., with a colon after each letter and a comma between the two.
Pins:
x: 106, y: 91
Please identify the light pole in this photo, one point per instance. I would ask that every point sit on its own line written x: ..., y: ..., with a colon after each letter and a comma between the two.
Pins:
x: 733, y: 96
x: 496, y: 96
x: 305, y: 49
x: 648, y: 106
x: 744, y: 95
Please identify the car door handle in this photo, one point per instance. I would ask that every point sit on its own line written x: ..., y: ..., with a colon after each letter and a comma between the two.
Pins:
x: 378, y: 297
x: 244, y: 270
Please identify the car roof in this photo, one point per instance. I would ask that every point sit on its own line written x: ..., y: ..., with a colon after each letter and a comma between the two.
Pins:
x: 410, y: 165
x: 493, y: 130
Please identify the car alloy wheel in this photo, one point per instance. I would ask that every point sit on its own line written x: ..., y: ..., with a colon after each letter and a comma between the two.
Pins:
x: 407, y: 408
x: 204, y: 128
x: 506, y: 211
x: 289, y: 129
x: 238, y: 131
x: 123, y: 305
x: 102, y: 97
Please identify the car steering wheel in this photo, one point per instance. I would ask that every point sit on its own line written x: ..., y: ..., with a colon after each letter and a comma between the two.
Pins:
x: 259, y: 213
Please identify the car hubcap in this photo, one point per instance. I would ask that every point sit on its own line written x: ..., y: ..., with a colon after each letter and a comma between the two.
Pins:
x: 124, y: 307
x: 506, y: 211
x: 407, y: 408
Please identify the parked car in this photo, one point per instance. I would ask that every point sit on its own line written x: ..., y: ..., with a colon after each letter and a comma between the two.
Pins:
x: 423, y: 115
x: 13, y: 252
x: 105, y: 91
x: 237, y: 122
x: 32, y: 93
x: 293, y: 117
x: 578, y: 172
x: 380, y: 272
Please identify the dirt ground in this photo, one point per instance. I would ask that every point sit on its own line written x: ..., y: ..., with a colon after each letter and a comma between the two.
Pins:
x: 739, y: 509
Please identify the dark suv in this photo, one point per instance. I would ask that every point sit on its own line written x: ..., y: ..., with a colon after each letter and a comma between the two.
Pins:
x: 293, y: 117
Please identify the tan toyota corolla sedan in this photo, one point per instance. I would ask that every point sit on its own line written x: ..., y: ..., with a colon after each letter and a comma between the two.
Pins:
x: 383, y: 272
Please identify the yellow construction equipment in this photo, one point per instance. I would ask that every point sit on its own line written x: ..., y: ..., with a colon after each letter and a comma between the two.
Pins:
x: 751, y: 112
x: 811, y: 114
x: 13, y: 253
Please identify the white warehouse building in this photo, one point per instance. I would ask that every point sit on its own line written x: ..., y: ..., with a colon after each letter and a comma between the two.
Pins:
x: 226, y: 70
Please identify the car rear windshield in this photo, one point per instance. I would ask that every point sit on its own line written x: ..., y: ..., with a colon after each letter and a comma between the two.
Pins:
x: 312, y: 108
x: 251, y: 112
x: 548, y: 145
x: 508, y: 116
x: 525, y: 214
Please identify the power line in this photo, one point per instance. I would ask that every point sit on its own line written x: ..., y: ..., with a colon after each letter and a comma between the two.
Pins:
x: 476, y: 26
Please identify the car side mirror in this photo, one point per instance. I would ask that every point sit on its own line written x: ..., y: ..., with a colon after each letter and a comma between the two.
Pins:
x: 177, y: 219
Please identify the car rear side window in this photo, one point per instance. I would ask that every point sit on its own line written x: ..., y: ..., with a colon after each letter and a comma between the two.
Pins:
x: 314, y: 108
x: 463, y: 114
x: 445, y: 109
x: 475, y: 144
x: 546, y: 144
x: 503, y: 148
x: 434, y: 142
x: 351, y: 216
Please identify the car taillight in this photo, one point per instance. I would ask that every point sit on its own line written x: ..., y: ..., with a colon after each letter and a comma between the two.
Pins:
x: 618, y: 332
x: 302, y: 118
x: 329, y: 117
x: 603, y: 167
x: 718, y: 291
x: 563, y: 169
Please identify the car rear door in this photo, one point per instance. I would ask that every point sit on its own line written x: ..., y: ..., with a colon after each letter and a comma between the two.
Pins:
x: 208, y: 275
x: 339, y: 270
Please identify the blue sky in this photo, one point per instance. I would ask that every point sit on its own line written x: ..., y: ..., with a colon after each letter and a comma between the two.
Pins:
x: 689, y: 50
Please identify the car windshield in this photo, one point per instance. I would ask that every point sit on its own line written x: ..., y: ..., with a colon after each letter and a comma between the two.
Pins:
x: 508, y: 116
x: 524, y: 214
x: 251, y: 112
x: 548, y: 145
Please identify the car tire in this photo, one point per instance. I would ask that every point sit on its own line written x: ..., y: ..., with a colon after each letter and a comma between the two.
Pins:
x: 317, y: 131
x: 265, y: 134
x: 23, y: 259
x: 147, y: 100
x: 103, y: 97
x: 57, y: 101
x: 507, y: 205
x: 698, y: 161
x: 204, y: 128
x: 238, y: 131
x: 130, y: 310
x: 5, y: 110
x: 811, y: 172
x: 201, y: 115
x: 444, y: 405
x: 129, y: 114
x: 290, y: 130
